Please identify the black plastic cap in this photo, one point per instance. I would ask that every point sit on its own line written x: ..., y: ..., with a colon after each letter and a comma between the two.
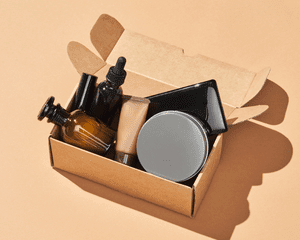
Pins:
x: 55, y: 114
x: 116, y: 74
x: 85, y: 91
x: 46, y: 108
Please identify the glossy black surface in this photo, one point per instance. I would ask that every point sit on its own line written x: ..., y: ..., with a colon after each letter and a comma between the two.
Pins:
x: 201, y: 100
x: 85, y: 92
x: 108, y: 95
x: 116, y: 74
x: 107, y: 100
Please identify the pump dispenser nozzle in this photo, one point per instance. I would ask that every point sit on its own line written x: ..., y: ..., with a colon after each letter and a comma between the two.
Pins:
x: 116, y: 74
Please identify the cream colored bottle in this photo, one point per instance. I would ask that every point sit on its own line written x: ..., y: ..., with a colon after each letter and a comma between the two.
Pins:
x: 132, y: 117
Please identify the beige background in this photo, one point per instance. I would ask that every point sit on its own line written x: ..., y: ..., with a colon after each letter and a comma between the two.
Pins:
x: 255, y: 192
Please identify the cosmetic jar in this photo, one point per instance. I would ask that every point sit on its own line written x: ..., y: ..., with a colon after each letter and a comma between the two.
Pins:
x: 173, y: 145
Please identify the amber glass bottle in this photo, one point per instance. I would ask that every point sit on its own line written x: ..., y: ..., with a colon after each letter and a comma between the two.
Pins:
x: 78, y: 128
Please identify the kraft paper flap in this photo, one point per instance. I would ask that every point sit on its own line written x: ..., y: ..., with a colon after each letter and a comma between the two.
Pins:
x: 164, y: 62
x: 105, y: 34
x: 242, y: 114
x: 137, y: 85
x: 204, y: 178
x: 257, y: 84
x: 227, y: 109
x: 154, y: 60
x: 83, y: 59
x: 121, y: 177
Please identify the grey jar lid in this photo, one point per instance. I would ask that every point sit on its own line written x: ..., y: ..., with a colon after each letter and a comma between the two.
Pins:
x: 173, y: 145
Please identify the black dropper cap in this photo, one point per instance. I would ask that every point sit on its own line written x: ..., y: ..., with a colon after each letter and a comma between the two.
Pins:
x: 85, y: 91
x: 55, y: 114
x: 116, y: 74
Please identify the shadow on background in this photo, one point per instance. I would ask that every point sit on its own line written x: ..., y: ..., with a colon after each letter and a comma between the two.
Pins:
x: 249, y: 151
x: 277, y: 100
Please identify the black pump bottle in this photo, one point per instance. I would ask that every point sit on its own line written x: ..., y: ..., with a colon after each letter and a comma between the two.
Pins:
x: 108, y: 94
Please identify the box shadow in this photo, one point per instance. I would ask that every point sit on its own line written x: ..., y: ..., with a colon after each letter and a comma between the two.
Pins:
x: 243, y: 162
x: 276, y: 98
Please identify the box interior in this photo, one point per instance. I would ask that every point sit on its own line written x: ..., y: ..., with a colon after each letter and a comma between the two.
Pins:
x: 79, y: 162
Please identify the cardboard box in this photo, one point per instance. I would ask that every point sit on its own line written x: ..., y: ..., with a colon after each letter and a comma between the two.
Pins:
x: 153, y: 67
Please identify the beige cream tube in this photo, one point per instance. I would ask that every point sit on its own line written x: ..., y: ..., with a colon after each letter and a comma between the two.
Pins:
x: 132, y: 117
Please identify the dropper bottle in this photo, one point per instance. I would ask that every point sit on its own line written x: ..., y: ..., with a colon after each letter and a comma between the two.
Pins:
x: 108, y: 94
x: 78, y: 128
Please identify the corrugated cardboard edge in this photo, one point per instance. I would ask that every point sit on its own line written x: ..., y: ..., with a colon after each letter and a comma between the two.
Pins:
x: 203, y: 180
x: 50, y: 152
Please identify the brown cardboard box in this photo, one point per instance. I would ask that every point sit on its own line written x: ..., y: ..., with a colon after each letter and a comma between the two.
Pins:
x: 153, y: 67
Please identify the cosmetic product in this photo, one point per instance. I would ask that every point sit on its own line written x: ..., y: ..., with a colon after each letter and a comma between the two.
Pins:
x: 108, y: 95
x: 201, y: 100
x: 78, y: 128
x: 87, y: 81
x: 173, y: 145
x: 132, y: 117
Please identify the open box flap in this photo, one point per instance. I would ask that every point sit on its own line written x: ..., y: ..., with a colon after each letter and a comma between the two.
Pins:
x: 239, y: 115
x: 105, y: 34
x: 256, y: 85
x: 167, y: 65
x: 83, y: 59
